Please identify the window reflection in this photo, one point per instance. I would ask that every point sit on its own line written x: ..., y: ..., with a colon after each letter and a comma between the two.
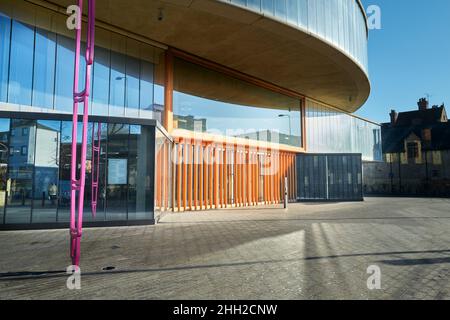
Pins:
x: 37, y: 69
x: 135, y: 135
x: 4, y: 154
x: 93, y: 134
x: 21, y: 64
x: 20, y: 175
x: 117, y: 169
x: 132, y: 87
x: 35, y: 171
x: 330, y: 131
x: 117, y: 82
x: 100, y: 76
x: 44, y: 69
x: 208, y: 101
x: 64, y: 188
x: 146, y: 84
x: 45, y: 199
x: 5, y: 29
x: 64, y: 74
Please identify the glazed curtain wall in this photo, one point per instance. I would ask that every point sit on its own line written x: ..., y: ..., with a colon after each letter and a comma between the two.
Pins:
x: 206, y: 100
x: 35, y: 161
x: 340, y: 22
x: 36, y: 72
x: 330, y: 131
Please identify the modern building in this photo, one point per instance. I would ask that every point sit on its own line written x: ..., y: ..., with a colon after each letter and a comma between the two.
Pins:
x: 201, y: 104
x: 416, y: 150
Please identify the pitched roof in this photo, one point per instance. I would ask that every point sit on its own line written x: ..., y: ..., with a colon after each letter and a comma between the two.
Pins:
x: 415, y: 122
x: 393, y: 137
x: 422, y: 117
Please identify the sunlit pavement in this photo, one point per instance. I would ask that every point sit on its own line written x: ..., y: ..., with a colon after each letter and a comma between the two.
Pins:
x: 311, y: 251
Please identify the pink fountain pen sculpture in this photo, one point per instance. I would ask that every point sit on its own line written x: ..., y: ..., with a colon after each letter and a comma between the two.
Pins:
x: 78, y: 185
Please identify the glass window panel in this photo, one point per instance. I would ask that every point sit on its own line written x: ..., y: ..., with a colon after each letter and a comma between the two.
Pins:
x: 21, y: 169
x: 46, y: 175
x: 93, y: 136
x: 146, y: 89
x: 100, y: 83
x: 329, y: 18
x: 64, y: 170
x: 208, y: 101
x: 268, y: 6
x: 239, y: 2
x: 5, y: 30
x: 117, y: 85
x: 21, y: 64
x: 254, y: 4
x: 87, y: 212
x: 335, y: 17
x: 303, y: 13
x: 132, y: 87
x: 64, y: 74
x: 82, y: 75
x: 292, y: 11
x: 158, y: 104
x: 117, y: 169
x: 280, y: 9
x: 141, y: 157
x: 4, y: 155
x: 134, y: 212
x: 321, y: 19
x: 44, y: 69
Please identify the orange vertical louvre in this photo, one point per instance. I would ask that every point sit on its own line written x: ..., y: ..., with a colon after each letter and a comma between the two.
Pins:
x: 205, y: 176
x: 195, y: 174
x: 225, y: 174
x: 221, y: 177
x: 189, y: 184
x: 200, y: 176
x: 248, y: 176
x: 185, y: 170
x: 179, y: 175
x: 235, y: 176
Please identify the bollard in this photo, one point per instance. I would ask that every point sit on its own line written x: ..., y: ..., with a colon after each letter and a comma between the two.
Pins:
x: 285, y: 192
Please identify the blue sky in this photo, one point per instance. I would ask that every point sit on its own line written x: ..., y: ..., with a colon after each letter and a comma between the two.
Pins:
x: 409, y: 57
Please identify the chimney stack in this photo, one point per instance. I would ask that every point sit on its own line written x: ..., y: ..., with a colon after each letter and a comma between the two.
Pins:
x: 394, y: 116
x: 423, y: 104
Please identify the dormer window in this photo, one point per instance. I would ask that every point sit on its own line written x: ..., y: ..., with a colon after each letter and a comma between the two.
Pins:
x: 413, y: 150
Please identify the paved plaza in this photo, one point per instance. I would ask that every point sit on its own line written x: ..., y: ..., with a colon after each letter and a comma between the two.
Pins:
x: 310, y: 251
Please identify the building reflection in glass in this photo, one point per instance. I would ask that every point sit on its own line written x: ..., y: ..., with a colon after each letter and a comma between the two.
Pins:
x: 208, y: 101
x: 35, y: 177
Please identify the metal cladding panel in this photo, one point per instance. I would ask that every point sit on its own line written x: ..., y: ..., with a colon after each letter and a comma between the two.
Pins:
x: 329, y: 177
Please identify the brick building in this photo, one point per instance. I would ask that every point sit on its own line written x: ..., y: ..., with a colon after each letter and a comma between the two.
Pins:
x: 416, y: 149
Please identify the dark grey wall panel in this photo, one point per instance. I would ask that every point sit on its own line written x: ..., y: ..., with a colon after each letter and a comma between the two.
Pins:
x: 334, y: 177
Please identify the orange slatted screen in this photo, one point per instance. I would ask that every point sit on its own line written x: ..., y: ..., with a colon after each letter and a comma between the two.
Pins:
x: 208, y: 175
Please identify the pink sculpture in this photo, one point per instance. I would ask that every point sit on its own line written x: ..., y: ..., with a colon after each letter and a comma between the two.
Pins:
x: 78, y: 185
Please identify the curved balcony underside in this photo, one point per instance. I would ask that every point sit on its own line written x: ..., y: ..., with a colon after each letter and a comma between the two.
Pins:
x: 247, y: 42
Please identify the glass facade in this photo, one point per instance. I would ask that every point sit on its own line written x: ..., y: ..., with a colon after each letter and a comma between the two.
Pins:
x: 340, y: 22
x: 35, y: 159
x: 331, y: 131
x: 37, y: 69
x: 208, y: 101
x: 137, y: 178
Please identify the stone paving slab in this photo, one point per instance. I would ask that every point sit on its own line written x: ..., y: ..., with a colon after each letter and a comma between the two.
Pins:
x: 310, y: 251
